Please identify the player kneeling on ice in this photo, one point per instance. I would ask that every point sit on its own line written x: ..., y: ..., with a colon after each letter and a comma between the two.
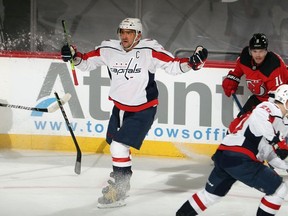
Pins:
x: 132, y: 63
x: 257, y: 138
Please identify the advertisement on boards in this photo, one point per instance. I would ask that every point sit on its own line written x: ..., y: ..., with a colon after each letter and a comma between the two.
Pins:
x: 192, y: 107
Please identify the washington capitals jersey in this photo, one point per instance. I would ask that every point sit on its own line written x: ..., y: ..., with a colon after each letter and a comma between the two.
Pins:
x: 261, y: 79
x: 253, y: 133
x: 133, y: 87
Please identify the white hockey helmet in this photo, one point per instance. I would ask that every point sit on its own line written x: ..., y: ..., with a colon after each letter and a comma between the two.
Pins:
x: 131, y: 23
x: 281, y: 94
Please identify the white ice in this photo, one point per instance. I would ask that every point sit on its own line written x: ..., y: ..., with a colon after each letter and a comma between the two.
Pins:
x: 40, y: 183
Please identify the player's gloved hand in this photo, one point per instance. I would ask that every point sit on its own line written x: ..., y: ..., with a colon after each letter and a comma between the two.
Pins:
x: 282, y: 153
x: 199, y: 57
x: 230, y: 84
x: 281, y: 149
x: 68, y: 52
x: 276, y: 139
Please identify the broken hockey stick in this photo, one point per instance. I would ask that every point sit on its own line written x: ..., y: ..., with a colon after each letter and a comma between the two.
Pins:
x: 71, y: 60
x: 79, y: 153
x: 50, y: 109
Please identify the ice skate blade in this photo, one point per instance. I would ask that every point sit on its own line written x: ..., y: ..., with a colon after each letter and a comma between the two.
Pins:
x: 116, y: 204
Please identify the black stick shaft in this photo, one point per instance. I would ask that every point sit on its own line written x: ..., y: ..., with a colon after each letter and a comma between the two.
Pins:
x: 71, y: 60
x: 24, y: 107
x: 79, y: 153
x: 238, y: 103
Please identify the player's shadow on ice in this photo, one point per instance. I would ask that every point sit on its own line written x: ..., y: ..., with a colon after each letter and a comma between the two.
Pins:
x: 187, y: 177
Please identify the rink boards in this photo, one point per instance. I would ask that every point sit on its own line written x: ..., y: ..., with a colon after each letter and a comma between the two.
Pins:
x: 193, y: 113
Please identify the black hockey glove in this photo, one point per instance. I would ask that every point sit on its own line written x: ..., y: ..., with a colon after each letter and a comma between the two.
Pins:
x: 276, y: 139
x: 199, y: 57
x: 68, y: 53
x: 281, y: 153
x: 281, y: 149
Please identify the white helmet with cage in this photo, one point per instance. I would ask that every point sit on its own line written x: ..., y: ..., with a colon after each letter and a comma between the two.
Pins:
x: 281, y: 94
x: 131, y: 23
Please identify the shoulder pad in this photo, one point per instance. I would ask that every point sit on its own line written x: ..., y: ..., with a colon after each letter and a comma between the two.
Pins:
x: 110, y: 43
x: 150, y: 43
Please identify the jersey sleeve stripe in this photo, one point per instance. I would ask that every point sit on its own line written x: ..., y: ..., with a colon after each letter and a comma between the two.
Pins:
x: 93, y: 53
x: 161, y: 56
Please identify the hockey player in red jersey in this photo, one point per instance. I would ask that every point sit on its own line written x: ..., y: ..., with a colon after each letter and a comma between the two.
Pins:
x: 132, y: 64
x: 240, y: 157
x: 264, y: 71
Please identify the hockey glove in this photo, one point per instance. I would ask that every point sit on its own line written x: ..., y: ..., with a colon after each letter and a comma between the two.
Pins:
x: 282, y: 153
x: 197, y: 60
x: 230, y: 84
x: 281, y: 149
x: 68, y: 53
x: 276, y: 139
x: 280, y: 146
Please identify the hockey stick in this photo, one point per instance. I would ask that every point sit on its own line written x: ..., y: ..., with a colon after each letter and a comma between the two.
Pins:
x: 50, y: 109
x: 71, y: 60
x: 237, y: 102
x: 79, y: 153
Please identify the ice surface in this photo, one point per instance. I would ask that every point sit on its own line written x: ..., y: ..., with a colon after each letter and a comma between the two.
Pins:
x: 40, y: 183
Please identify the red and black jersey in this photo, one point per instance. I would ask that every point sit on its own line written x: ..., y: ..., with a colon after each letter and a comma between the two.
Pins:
x: 262, y: 78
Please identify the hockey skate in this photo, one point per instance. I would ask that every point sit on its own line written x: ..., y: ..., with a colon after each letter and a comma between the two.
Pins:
x: 186, y: 210
x: 115, y: 193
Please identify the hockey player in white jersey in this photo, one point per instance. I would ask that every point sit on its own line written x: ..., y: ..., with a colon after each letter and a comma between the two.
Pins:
x: 241, y: 155
x: 132, y: 63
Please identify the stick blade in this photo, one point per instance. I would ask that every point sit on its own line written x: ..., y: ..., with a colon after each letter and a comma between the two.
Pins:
x: 77, y: 167
x: 55, y: 106
x: 65, y: 98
